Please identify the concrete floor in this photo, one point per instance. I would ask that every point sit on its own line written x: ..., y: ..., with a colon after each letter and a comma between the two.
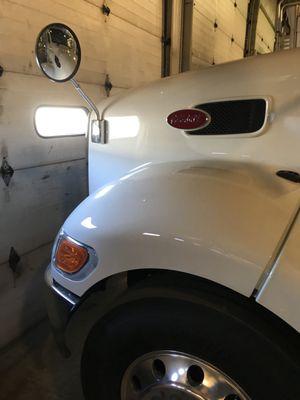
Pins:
x: 32, y: 369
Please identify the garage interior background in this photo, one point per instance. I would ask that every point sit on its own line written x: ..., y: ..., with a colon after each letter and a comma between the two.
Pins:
x: 129, y: 43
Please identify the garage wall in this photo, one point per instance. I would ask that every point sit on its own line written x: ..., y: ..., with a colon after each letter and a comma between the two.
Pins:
x: 265, y: 34
x: 50, y: 176
x: 219, y: 28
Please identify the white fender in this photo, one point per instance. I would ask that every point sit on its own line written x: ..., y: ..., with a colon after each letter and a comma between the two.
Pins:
x: 217, y: 220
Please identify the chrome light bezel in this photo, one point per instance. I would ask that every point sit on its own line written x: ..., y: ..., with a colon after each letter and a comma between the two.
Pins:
x: 89, y: 266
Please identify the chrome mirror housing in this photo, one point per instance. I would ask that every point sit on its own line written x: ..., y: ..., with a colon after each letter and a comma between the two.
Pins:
x: 58, y: 52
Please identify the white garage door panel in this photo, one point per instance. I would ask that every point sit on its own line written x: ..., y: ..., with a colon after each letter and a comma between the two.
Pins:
x: 265, y: 35
x: 225, y: 50
x: 198, y: 62
x: 137, y: 59
x: 208, y: 8
x: 239, y: 22
x: 20, y: 95
x: 111, y: 43
x: 203, y: 39
x: 130, y: 55
x: 210, y: 44
x: 36, y: 202
x: 21, y: 301
x: 143, y: 14
x: 242, y: 7
x: 231, y: 23
x: 271, y: 8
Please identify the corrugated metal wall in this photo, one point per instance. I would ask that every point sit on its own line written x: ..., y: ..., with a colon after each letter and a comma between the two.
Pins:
x: 50, y: 175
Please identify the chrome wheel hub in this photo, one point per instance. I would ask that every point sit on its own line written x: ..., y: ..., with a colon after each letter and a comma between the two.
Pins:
x: 169, y: 375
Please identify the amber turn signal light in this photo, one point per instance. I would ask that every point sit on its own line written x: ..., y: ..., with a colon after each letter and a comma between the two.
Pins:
x: 70, y: 257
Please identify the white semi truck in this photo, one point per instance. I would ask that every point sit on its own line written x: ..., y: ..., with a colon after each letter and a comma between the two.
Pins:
x: 193, y: 220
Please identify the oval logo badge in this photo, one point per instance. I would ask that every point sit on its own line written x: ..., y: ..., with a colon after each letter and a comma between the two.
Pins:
x: 189, y: 119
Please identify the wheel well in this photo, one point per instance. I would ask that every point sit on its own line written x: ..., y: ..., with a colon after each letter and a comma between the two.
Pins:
x: 168, y: 278
x: 279, y: 330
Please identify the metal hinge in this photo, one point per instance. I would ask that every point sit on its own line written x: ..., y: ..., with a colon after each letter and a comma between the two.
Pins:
x: 6, y: 171
x: 99, y: 131
x: 107, y: 85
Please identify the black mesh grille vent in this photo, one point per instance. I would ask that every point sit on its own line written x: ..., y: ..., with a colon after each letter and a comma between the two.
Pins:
x: 233, y: 117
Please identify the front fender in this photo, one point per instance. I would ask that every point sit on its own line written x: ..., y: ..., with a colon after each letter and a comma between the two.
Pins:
x: 217, y: 220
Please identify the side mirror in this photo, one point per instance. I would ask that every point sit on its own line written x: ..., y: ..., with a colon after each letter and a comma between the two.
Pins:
x: 58, y: 55
x: 58, y: 52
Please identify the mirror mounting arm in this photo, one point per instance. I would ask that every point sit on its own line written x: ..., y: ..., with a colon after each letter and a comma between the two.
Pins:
x: 86, y: 98
x: 99, y: 126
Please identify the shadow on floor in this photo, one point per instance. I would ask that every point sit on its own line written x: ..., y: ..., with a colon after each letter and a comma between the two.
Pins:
x: 31, y: 368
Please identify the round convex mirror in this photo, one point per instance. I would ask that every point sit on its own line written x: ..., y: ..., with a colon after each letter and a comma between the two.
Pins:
x: 58, y: 52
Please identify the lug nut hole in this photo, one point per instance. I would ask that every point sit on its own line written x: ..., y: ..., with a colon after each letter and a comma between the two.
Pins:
x: 195, y: 375
x: 136, y: 383
x: 159, y: 369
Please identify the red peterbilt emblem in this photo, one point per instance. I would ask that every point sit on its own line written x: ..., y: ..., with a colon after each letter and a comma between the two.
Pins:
x: 189, y: 119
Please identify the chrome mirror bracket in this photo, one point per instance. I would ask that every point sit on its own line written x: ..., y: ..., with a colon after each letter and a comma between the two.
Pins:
x: 99, y: 131
x: 99, y: 127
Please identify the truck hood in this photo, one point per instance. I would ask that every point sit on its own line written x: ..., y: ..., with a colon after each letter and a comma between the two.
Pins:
x: 139, y: 133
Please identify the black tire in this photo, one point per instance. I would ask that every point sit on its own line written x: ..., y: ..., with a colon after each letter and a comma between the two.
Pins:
x: 213, y: 325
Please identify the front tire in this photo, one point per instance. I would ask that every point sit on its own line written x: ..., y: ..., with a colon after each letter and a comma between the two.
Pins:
x: 209, y: 327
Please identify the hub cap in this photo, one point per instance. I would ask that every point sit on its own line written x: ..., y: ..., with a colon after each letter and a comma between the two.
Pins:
x: 169, y: 375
